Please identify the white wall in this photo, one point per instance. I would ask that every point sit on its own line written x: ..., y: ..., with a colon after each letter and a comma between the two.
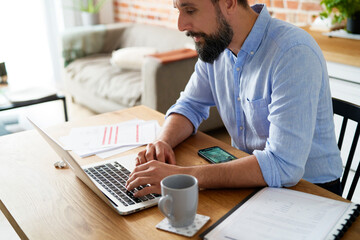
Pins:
x: 24, y: 43
x: 107, y: 14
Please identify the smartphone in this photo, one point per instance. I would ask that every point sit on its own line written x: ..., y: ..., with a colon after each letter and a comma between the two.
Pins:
x: 216, y: 155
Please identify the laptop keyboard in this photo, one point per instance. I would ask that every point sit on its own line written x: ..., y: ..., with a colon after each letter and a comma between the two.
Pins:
x: 113, y: 177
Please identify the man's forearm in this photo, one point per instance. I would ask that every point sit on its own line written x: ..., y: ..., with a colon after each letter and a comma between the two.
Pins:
x: 244, y: 172
x: 176, y: 129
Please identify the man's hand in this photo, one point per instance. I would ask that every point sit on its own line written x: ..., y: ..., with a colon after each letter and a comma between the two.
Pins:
x: 159, y: 150
x: 151, y: 173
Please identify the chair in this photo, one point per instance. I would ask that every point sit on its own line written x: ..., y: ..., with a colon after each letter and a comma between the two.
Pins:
x: 348, y: 111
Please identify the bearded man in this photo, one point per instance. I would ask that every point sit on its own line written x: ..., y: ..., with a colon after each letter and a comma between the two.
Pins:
x: 269, y: 82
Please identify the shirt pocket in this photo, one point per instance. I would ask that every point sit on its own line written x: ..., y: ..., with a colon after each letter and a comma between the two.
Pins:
x: 256, y: 113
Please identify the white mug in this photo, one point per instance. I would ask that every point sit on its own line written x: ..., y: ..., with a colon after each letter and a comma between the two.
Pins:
x: 179, y: 199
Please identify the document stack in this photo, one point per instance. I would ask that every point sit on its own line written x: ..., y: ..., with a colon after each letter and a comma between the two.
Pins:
x: 108, y: 140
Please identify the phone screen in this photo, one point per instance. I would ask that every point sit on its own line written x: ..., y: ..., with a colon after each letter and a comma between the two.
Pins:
x: 216, y: 155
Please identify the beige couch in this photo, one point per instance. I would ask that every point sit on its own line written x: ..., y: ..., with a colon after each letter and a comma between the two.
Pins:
x: 95, y: 83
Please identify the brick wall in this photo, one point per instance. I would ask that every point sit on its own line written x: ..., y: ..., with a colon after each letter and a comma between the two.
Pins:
x: 162, y: 12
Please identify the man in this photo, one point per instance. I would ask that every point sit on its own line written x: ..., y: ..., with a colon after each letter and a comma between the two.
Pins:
x: 269, y: 81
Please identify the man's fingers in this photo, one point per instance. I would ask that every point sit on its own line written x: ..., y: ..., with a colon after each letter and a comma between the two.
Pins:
x: 150, y: 152
x: 171, y: 158
x: 160, y: 156
x: 139, y: 181
x: 158, y: 150
x: 141, y: 167
x: 141, y: 159
x: 139, y: 170
x: 149, y: 186
x: 150, y: 174
x: 137, y: 161
x: 164, y: 153
x: 147, y: 190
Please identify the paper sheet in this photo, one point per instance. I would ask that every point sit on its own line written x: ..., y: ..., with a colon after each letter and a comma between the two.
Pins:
x: 113, y: 139
x: 277, y: 213
x: 111, y: 153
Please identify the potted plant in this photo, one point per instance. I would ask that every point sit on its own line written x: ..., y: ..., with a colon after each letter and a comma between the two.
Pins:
x: 341, y: 10
x: 89, y: 10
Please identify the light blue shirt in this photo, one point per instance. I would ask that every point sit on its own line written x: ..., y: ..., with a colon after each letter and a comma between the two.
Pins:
x: 274, y: 99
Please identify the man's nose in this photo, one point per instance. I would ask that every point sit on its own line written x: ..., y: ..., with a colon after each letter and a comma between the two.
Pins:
x: 184, y: 24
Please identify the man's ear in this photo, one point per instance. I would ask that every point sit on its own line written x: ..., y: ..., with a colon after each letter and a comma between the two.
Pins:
x: 231, y: 4
x: 228, y: 6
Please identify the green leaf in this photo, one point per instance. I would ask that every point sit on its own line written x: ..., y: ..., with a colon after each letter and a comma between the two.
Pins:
x: 90, y: 6
x: 340, y: 9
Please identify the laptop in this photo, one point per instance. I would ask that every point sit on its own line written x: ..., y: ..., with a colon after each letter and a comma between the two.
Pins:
x: 106, y: 179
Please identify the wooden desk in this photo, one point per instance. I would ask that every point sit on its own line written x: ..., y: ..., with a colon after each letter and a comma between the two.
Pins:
x: 42, y: 202
x: 339, y: 50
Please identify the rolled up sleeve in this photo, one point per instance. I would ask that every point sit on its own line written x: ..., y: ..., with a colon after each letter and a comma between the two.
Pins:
x: 195, y: 101
x: 292, y: 116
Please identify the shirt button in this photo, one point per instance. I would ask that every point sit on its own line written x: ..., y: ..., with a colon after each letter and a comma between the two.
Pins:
x: 237, y: 69
x: 252, y: 53
x: 238, y: 99
x: 241, y: 128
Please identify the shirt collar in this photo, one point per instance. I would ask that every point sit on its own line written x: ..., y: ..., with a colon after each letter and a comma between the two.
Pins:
x: 253, y: 40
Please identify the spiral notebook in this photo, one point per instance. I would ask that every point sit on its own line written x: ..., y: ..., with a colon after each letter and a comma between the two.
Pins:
x: 273, y: 213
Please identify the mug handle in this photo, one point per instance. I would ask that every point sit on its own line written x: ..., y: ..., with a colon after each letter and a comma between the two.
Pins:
x: 165, y: 206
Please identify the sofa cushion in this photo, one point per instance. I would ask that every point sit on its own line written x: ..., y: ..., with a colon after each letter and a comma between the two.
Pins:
x: 145, y: 35
x: 131, y: 57
x: 100, y: 78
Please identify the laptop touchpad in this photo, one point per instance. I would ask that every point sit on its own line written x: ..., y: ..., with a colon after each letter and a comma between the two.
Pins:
x: 127, y: 161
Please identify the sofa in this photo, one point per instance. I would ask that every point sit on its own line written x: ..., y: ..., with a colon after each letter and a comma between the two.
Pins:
x: 94, y: 82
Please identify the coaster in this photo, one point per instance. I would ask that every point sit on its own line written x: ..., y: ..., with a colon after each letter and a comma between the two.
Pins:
x: 188, y: 231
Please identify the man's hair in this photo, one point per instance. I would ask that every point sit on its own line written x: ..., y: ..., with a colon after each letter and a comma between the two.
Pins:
x: 243, y: 3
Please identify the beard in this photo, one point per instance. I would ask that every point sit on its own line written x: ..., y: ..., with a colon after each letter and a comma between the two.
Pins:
x: 213, y: 44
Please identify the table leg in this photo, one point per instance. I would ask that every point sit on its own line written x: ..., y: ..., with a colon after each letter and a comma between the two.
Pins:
x: 12, y: 221
x: 65, y: 109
